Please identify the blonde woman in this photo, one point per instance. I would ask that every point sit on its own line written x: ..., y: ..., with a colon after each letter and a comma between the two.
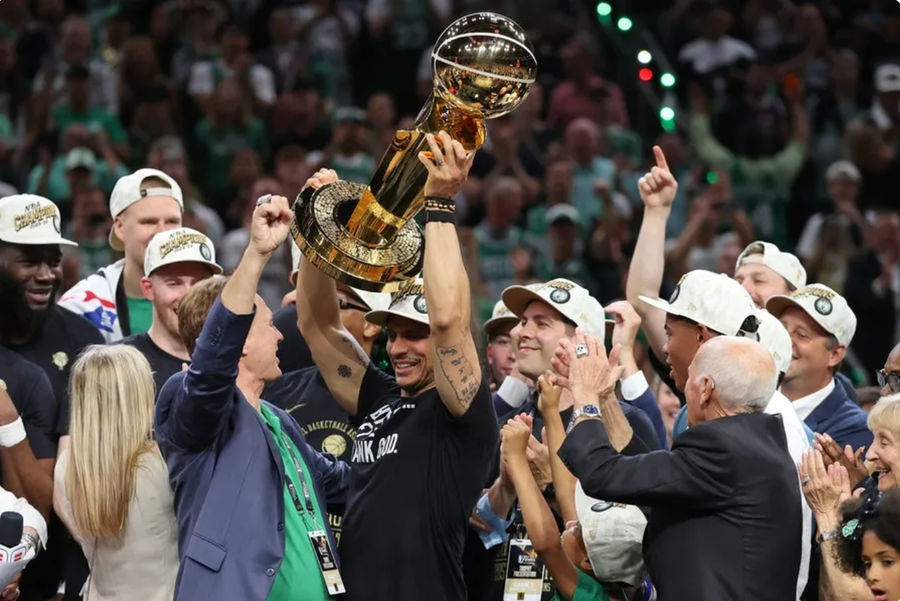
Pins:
x: 111, y: 484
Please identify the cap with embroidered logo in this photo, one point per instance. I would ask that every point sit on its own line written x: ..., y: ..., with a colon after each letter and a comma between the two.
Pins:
x: 182, y: 245
x: 613, y: 535
x: 408, y: 302
x: 827, y: 308
x: 127, y: 191
x: 501, y: 316
x: 713, y: 300
x: 574, y: 302
x: 30, y: 219
x: 783, y: 263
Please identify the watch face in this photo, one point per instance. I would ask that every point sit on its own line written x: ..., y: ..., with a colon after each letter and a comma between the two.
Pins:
x: 590, y: 410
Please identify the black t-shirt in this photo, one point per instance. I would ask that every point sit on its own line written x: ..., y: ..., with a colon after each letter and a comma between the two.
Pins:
x: 31, y: 393
x: 305, y: 397
x: 417, y: 474
x: 55, y: 348
x: 293, y: 352
x: 163, y: 364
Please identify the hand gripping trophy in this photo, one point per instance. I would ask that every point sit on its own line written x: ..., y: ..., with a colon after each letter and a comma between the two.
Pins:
x: 365, y: 236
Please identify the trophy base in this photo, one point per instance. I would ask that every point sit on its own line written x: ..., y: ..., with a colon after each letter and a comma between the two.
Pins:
x: 319, y: 230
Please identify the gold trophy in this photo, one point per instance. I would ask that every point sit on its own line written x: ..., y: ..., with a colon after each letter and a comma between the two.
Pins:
x: 365, y: 236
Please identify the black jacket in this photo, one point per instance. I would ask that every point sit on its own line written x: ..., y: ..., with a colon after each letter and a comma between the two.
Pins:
x: 725, y: 516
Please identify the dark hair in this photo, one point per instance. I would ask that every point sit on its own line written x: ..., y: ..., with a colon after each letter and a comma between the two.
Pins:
x: 875, y: 513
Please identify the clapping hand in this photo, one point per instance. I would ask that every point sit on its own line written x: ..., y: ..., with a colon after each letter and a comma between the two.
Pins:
x: 270, y: 225
x: 585, y: 369
x: 824, y: 489
x: 548, y: 401
x: 658, y: 186
x: 832, y: 453
x: 628, y: 322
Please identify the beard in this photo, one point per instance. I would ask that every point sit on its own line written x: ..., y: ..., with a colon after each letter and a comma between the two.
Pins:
x: 20, y: 322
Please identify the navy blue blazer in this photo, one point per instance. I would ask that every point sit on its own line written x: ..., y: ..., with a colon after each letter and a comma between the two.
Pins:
x: 842, y: 419
x: 226, y: 471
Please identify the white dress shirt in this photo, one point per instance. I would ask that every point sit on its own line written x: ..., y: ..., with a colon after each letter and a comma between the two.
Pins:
x: 807, y: 404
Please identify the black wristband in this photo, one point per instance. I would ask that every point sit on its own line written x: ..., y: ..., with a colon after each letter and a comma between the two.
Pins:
x: 440, y: 199
x: 440, y: 216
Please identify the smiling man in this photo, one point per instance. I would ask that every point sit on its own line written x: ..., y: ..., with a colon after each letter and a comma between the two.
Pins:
x: 175, y: 261
x: 764, y: 271
x: 425, y: 437
x: 501, y: 354
x: 141, y: 204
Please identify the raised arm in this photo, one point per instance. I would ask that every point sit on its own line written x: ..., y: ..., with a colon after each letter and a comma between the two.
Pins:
x: 657, y: 189
x: 200, y: 411
x: 563, y: 480
x: 340, y: 360
x: 457, y: 371
x: 539, y: 520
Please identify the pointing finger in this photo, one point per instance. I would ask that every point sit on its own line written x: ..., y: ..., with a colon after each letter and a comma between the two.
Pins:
x: 660, y: 158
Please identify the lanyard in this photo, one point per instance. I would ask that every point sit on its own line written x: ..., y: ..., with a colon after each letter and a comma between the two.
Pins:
x: 291, y: 489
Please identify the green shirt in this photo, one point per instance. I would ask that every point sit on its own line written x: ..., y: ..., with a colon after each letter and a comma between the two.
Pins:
x: 298, y: 576
x: 63, y: 117
x: 587, y: 589
x: 140, y: 314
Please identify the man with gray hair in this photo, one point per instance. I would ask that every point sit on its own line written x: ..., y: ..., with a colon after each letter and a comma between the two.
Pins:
x: 726, y: 494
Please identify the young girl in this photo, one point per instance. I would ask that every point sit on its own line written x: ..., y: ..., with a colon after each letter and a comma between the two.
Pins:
x: 869, y: 542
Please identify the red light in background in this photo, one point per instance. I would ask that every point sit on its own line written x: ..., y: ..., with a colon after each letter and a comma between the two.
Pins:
x: 645, y: 74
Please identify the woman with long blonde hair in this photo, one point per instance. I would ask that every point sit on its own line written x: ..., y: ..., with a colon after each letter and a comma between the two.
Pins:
x: 111, y: 483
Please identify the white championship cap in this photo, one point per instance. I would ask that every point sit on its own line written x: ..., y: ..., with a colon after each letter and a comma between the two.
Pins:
x: 408, y: 302
x: 30, y: 219
x: 710, y: 299
x: 842, y: 169
x: 127, y: 191
x: 776, y: 339
x: 827, y: 308
x: 374, y: 301
x: 500, y: 316
x: 613, y: 535
x: 182, y: 245
x: 783, y: 263
x: 574, y: 302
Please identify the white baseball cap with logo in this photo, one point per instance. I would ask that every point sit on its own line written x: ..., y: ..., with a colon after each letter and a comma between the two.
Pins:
x: 182, y: 245
x: 501, y: 316
x: 30, y: 219
x: 374, y: 301
x: 574, y: 302
x: 775, y: 338
x: 710, y: 299
x: 127, y: 191
x: 783, y: 263
x: 613, y: 536
x: 827, y: 308
x: 408, y: 302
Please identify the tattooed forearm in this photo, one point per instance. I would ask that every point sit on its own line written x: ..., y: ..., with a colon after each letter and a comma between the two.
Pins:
x: 460, y: 373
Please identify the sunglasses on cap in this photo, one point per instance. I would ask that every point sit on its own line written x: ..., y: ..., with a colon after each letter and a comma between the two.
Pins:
x: 345, y: 306
x: 891, y: 379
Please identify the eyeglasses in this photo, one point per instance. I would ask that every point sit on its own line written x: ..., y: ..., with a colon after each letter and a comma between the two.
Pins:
x: 345, y: 306
x: 891, y: 379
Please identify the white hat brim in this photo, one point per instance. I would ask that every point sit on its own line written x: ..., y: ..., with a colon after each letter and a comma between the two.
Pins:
x: 658, y: 303
x: 217, y: 269
x: 497, y: 322
x: 380, y: 318
x: 516, y: 298
x: 43, y: 241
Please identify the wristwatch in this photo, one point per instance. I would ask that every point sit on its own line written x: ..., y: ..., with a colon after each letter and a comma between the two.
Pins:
x: 586, y: 411
x: 826, y: 536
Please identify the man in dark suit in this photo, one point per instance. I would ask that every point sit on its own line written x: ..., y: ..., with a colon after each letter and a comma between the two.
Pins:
x: 725, y: 509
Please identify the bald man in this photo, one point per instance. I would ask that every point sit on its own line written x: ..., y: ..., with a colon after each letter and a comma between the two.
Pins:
x: 722, y: 498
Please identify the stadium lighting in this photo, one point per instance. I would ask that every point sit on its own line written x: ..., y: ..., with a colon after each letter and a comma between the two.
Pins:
x: 667, y: 113
x: 624, y: 24
x: 604, y: 9
x: 644, y: 57
x: 645, y: 74
x: 667, y: 80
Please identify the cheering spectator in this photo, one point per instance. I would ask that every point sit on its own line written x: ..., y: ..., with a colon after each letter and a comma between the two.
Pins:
x: 584, y: 93
x: 89, y: 227
x: 175, y: 260
x: 592, y: 173
x: 76, y: 49
x: 764, y: 271
x: 228, y: 128
x: 873, y: 288
x: 438, y: 403
x: 692, y: 488
x: 328, y: 29
x: 142, y: 203
x: 227, y: 449
x: 831, y: 239
x: 110, y: 489
x: 869, y: 546
x: 348, y: 152
x: 235, y: 62
x: 498, y: 235
x: 283, y: 57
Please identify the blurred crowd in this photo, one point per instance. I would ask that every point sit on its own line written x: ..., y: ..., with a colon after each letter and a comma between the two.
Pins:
x: 136, y: 139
